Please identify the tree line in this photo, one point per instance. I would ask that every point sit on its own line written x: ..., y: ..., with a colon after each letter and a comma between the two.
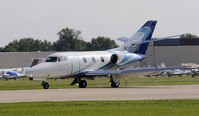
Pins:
x: 69, y: 40
x: 188, y: 36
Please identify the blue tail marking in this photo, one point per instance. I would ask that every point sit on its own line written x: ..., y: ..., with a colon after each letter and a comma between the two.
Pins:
x: 143, y: 47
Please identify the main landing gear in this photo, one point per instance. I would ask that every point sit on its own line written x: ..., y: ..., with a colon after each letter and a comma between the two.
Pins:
x: 45, y: 85
x: 79, y: 82
x: 114, y: 82
x: 82, y: 84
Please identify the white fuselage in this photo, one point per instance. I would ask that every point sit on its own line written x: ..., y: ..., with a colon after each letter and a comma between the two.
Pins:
x: 66, y: 64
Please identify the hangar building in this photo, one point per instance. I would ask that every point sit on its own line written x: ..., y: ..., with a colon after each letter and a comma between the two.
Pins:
x: 173, y: 52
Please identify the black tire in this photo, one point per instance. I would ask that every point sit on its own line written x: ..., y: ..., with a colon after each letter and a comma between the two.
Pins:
x: 115, y: 85
x: 82, y: 84
x: 45, y: 85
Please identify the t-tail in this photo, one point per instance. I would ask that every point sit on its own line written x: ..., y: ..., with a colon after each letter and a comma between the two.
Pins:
x: 138, y: 42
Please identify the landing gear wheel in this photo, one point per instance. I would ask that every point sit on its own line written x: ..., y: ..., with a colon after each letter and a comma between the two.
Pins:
x: 115, y: 85
x: 45, y: 85
x: 114, y: 82
x: 82, y: 84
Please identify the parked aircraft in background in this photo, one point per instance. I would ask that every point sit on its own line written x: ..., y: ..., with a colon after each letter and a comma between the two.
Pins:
x: 179, y: 73
x: 112, y: 63
x: 195, y: 72
x: 194, y: 68
x: 156, y: 74
x: 176, y: 72
x: 14, y: 73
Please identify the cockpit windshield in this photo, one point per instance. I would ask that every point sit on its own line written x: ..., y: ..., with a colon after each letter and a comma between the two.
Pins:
x: 51, y: 59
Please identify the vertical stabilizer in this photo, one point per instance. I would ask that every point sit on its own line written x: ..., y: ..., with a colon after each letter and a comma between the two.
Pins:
x: 143, y: 34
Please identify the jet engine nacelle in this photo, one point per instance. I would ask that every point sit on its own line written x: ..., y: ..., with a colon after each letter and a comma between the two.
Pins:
x: 114, y: 59
x: 123, y: 58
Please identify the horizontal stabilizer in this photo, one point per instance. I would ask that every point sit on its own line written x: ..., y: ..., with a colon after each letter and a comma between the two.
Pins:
x: 156, y: 39
x: 122, y: 39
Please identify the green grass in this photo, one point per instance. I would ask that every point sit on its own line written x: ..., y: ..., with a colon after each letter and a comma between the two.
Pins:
x: 103, y: 108
x: 99, y: 82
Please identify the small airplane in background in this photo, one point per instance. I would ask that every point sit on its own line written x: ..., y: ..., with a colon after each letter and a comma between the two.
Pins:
x: 195, y: 72
x: 177, y: 72
x: 17, y: 73
x: 170, y: 73
x: 194, y: 68
x: 14, y: 73
x: 112, y: 63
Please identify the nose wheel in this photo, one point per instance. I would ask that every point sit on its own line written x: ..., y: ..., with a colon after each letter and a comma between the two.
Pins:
x: 45, y: 85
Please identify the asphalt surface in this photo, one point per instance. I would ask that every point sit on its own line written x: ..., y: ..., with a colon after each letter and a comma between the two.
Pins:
x: 88, y: 94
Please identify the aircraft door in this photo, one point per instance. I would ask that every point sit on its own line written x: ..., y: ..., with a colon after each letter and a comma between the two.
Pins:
x: 75, y: 66
x: 64, y: 66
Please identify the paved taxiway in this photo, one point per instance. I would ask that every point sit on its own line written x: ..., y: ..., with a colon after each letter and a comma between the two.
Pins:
x: 124, y: 93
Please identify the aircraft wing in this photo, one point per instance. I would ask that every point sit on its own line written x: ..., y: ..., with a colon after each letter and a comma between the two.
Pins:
x: 131, y: 71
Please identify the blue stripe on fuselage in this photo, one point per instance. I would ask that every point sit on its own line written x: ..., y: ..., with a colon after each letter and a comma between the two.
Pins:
x: 126, y: 57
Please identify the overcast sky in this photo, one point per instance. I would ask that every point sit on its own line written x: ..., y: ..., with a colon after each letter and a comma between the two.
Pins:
x: 42, y: 19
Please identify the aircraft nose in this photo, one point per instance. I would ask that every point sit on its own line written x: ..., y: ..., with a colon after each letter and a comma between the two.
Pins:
x: 29, y: 72
x: 33, y: 71
x: 38, y: 71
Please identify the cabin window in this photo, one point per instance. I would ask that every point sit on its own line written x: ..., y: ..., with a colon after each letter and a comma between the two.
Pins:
x: 93, y: 60
x: 84, y: 60
x: 102, y: 59
x: 51, y: 59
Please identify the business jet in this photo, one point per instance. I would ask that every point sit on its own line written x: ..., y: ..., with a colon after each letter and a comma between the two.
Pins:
x: 112, y: 63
